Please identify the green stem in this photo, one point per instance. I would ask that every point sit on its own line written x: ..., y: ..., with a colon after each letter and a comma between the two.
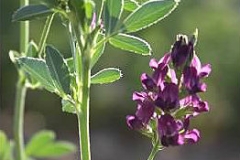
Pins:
x: 21, y: 93
x: 100, y: 12
x: 83, y: 115
x: 24, y: 30
x: 19, y: 118
x: 154, y: 151
x: 45, y: 33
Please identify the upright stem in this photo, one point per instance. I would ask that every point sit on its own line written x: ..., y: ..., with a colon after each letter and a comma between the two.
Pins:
x: 45, y: 33
x: 21, y: 93
x: 83, y: 116
x: 19, y: 118
x: 154, y: 151
x: 24, y: 30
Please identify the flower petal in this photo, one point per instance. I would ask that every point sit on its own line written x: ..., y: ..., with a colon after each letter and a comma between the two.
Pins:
x: 205, y: 70
x: 192, y: 136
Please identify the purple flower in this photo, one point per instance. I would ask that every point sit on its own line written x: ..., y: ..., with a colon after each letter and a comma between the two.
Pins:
x: 168, y: 98
x: 148, y: 83
x: 145, y: 111
x: 192, y: 136
x: 193, y: 74
x: 133, y: 122
x: 194, y: 102
x: 168, y: 129
x: 175, y: 132
x: 182, y: 51
x: 160, y: 69
x: 93, y: 22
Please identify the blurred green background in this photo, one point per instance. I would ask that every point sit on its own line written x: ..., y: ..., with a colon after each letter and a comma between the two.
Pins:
x: 218, y: 22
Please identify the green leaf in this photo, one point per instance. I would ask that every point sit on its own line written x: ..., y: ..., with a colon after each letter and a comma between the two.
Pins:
x: 107, y: 75
x: 31, y: 12
x: 130, y: 5
x: 56, y: 149
x: 58, y: 69
x: 112, y: 13
x: 14, y: 55
x: 149, y: 13
x: 98, y: 50
x: 70, y: 64
x: 38, y: 141
x: 5, y: 151
x: 32, y: 49
x: 42, y: 145
x: 180, y: 113
x: 37, y: 68
x: 89, y: 8
x: 131, y: 43
x: 77, y: 6
x: 68, y: 107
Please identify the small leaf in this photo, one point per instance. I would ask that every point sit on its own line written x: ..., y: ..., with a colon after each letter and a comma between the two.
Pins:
x: 89, y: 8
x: 56, y: 149
x: 58, y: 69
x: 98, y: 50
x: 31, y: 12
x: 14, y: 55
x: 112, y: 13
x: 131, y: 43
x: 183, y: 112
x: 130, y: 5
x: 38, y: 141
x: 42, y: 145
x: 38, y: 69
x: 5, y: 151
x: 149, y: 13
x: 32, y: 49
x: 68, y: 107
x: 70, y: 64
x: 107, y: 75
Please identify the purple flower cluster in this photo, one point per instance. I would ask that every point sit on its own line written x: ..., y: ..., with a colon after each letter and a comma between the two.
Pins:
x: 170, y: 97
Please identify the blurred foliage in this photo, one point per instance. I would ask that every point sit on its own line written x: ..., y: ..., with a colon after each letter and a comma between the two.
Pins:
x: 219, y: 44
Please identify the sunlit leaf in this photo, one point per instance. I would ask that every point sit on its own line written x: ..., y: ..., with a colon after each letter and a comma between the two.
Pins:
x: 131, y: 43
x: 147, y: 14
x: 107, y: 75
